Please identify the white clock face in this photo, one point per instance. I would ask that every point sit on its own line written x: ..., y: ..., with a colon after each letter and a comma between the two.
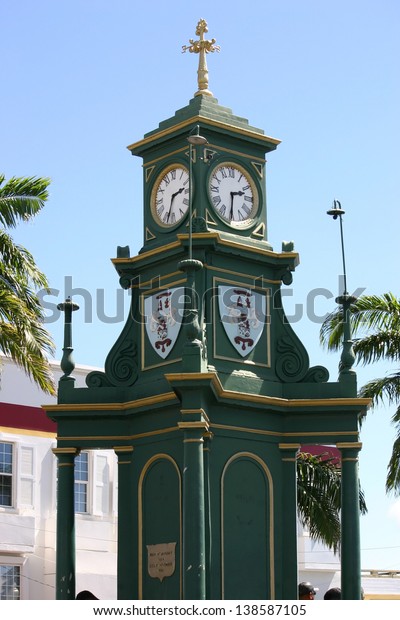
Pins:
x: 233, y: 194
x: 170, y: 196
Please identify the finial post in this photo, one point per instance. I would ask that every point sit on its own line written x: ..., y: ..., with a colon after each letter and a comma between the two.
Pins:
x: 67, y: 362
x: 202, y: 47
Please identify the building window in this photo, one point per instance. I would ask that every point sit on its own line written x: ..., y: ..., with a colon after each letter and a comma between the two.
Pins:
x: 6, y: 472
x: 81, y: 482
x: 10, y: 579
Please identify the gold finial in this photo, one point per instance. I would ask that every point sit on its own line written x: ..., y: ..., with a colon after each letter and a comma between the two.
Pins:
x: 202, y: 47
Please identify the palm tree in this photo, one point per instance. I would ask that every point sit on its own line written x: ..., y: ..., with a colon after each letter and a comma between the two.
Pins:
x: 22, y: 335
x: 319, y: 497
x: 376, y: 320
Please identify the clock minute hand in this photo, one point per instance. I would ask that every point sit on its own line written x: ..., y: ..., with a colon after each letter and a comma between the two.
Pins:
x: 170, y: 206
x: 172, y: 200
x: 240, y: 193
x: 231, y: 209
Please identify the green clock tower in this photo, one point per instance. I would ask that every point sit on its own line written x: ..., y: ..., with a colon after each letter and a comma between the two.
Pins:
x: 208, y: 394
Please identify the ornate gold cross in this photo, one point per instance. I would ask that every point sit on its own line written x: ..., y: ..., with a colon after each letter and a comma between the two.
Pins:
x: 202, y: 47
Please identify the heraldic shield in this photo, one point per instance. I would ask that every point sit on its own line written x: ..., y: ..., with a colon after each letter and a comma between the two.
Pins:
x: 163, y: 312
x: 242, y: 313
x: 161, y: 560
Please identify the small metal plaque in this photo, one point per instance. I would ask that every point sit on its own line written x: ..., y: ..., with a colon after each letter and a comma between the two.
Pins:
x: 161, y: 560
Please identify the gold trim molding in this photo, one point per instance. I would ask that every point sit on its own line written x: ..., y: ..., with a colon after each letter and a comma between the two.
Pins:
x: 204, y: 121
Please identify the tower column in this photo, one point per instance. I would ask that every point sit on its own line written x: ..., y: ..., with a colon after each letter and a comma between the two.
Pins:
x: 350, y: 522
x: 127, y: 532
x: 65, y: 555
x: 194, y: 540
x: 288, y: 549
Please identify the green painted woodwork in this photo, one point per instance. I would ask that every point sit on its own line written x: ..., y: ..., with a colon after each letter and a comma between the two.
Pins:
x: 194, y: 551
x: 160, y: 519
x: 207, y: 438
x: 65, y: 559
x: 286, y: 565
x: 229, y: 139
x: 350, y: 534
x: 127, y: 524
x: 246, y: 525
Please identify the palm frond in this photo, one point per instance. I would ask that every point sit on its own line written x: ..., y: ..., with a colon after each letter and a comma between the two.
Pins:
x: 21, y: 198
x: 380, y: 389
x: 369, y: 313
x: 27, y: 349
x: 375, y: 325
x: 393, y: 469
x: 319, y: 498
x: 22, y: 333
x: 18, y: 264
x: 383, y: 345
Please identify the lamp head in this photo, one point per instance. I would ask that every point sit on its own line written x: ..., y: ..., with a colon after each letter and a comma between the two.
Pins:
x: 336, y: 210
x: 196, y: 139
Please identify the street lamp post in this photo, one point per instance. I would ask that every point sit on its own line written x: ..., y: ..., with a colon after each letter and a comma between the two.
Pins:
x: 191, y: 265
x: 345, y: 300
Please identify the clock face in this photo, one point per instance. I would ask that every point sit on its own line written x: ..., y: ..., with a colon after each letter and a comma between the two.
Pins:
x: 170, y: 196
x: 233, y: 194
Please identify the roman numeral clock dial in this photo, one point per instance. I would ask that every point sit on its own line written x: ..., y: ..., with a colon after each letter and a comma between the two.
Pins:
x: 170, y: 196
x: 233, y: 195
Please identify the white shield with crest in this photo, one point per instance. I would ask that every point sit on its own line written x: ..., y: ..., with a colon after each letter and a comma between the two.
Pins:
x: 242, y: 313
x: 161, y: 560
x: 163, y: 312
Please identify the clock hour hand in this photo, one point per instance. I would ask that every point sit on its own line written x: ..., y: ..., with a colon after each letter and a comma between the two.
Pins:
x: 178, y: 192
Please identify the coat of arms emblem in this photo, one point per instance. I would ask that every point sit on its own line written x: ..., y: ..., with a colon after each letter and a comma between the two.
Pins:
x: 163, y: 312
x: 242, y: 313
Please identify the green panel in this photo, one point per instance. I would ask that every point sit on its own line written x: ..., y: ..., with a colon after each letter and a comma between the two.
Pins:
x: 245, y: 531
x: 161, y: 524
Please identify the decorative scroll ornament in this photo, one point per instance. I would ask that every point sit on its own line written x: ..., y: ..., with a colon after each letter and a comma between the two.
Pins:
x: 163, y: 312
x: 242, y: 313
x: 292, y: 361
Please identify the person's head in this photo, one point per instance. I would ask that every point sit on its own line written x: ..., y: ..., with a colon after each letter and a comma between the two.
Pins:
x: 333, y: 594
x: 307, y: 591
x: 86, y: 595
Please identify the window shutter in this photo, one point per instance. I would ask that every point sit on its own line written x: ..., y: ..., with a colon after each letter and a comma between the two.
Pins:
x: 101, y: 479
x: 26, y: 476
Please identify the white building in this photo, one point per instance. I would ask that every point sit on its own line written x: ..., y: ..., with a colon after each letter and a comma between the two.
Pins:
x: 28, y: 497
x: 28, y: 507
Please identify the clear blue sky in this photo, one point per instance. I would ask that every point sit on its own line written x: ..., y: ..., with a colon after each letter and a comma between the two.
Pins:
x: 82, y: 79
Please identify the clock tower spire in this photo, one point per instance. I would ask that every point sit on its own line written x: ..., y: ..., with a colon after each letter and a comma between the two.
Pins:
x: 202, y: 47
